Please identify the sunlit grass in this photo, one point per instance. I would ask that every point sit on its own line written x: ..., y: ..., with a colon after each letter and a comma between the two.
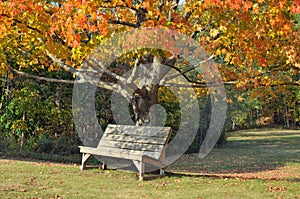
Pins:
x: 252, y: 151
x: 21, y: 179
x: 253, y: 164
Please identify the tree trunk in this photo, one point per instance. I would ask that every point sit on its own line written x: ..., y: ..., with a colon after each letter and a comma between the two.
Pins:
x: 23, y: 133
x: 146, y: 111
x: 59, y: 105
x: 287, y: 117
x: 144, y: 114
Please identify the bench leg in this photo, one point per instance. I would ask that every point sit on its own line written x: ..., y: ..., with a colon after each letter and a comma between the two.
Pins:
x: 140, y: 165
x: 85, y: 156
x: 103, y: 166
x: 142, y: 170
x: 161, y: 172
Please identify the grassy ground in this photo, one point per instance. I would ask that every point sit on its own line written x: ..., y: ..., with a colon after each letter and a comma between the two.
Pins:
x: 253, y: 164
x: 262, y: 153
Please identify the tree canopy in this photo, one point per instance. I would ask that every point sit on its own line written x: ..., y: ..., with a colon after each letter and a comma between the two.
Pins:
x: 256, y: 42
x: 256, y: 45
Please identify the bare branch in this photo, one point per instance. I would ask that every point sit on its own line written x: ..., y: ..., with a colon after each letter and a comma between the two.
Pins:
x: 134, y: 72
x: 106, y: 85
x: 61, y: 63
x: 118, y: 6
x: 84, y: 78
x: 188, y: 15
x: 130, y: 7
x: 40, y: 78
x: 125, y: 23
x: 160, y: 5
x: 182, y: 73
x: 105, y: 70
x: 22, y: 23
x: 170, y: 61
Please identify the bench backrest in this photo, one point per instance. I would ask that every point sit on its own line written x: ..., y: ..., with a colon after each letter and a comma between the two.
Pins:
x: 138, y: 140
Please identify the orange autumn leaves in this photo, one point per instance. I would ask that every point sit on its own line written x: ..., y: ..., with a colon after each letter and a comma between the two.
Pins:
x: 251, y: 38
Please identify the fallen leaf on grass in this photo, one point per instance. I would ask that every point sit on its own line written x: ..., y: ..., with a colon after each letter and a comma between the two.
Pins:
x: 57, y: 197
x: 44, y: 187
x: 275, y: 189
x: 177, y: 180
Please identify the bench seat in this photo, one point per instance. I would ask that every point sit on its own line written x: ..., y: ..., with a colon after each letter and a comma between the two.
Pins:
x: 140, y: 144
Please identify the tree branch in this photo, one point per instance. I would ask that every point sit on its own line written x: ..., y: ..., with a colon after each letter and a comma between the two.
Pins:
x: 125, y: 23
x: 130, y: 7
x: 182, y: 73
x: 134, y: 72
x: 106, y: 85
x: 20, y: 22
x: 194, y: 34
x: 104, y: 69
x: 160, y: 5
x: 20, y: 73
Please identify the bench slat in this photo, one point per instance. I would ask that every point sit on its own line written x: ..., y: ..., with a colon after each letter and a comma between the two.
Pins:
x: 119, y: 153
x: 148, y: 131
x: 131, y: 146
x: 134, y: 139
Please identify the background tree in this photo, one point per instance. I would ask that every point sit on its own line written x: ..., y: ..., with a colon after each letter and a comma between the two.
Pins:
x: 256, y: 43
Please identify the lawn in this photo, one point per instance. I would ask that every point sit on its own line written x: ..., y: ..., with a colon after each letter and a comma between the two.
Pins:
x: 253, y: 164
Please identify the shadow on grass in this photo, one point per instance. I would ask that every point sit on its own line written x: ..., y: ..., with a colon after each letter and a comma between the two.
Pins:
x: 228, y: 176
x: 249, y: 152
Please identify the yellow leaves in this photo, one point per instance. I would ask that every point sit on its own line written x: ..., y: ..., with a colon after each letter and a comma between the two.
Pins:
x: 227, y: 57
x: 3, y: 69
x: 271, y: 34
x: 256, y: 8
x: 218, y: 52
x: 259, y: 34
x: 214, y: 32
x: 235, y: 61
x: 223, y: 51
x: 242, y: 83
x: 260, y: 1
x: 291, y: 54
x: 223, y: 28
x: 201, y: 92
x: 266, y: 80
x: 53, y: 67
x: 11, y: 76
x: 229, y: 101
x: 187, y: 9
x: 33, y: 62
x: 240, y: 99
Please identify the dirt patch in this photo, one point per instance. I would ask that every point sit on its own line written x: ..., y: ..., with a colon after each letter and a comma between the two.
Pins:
x: 35, y: 162
x: 282, y: 173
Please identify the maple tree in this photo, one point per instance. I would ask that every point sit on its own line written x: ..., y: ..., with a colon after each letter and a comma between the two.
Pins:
x: 256, y: 43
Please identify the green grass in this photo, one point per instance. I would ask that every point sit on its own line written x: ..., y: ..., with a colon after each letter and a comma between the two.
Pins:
x: 41, y: 180
x: 253, y: 164
x: 254, y: 151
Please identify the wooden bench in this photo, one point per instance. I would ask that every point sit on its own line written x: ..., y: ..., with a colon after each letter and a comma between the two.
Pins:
x: 141, y: 144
